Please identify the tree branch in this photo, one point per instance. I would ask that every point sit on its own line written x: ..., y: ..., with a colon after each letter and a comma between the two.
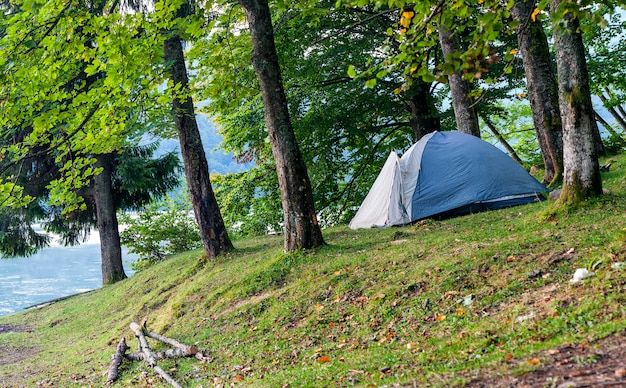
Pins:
x: 149, y: 356
x: 113, y: 373
x: 501, y: 139
x: 47, y: 150
x: 350, y: 27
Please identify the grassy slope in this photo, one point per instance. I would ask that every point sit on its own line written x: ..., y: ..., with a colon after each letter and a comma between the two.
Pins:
x: 373, y: 307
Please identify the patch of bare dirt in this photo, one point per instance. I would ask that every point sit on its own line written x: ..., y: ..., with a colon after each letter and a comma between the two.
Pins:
x: 13, y: 328
x: 12, y: 354
x: 601, y: 364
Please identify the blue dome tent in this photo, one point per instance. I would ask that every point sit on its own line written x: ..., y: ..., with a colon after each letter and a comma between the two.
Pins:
x: 445, y: 174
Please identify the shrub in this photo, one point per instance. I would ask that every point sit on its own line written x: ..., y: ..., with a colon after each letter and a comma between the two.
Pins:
x: 161, y: 229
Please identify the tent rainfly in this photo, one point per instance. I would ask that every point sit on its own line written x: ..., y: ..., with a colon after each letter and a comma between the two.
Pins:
x: 445, y: 174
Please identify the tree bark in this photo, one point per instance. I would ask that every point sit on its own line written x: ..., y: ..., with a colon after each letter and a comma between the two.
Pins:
x: 581, y: 174
x: 118, y: 357
x: 160, y: 355
x: 207, y: 213
x: 464, y: 113
x: 424, y: 116
x: 543, y: 92
x: 300, y: 220
x: 190, y: 350
x: 110, y: 246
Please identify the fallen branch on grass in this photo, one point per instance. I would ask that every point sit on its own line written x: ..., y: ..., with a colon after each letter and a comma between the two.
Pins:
x: 146, y: 354
x: 149, y: 356
x: 113, y: 374
x: 188, y: 350
x: 160, y: 355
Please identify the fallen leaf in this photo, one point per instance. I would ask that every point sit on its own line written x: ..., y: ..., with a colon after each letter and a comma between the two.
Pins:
x: 410, y: 345
x: 621, y: 372
x: 534, y: 361
x: 508, y: 357
x: 323, y: 359
x: 440, y: 317
x: 319, y: 307
x: 239, y: 378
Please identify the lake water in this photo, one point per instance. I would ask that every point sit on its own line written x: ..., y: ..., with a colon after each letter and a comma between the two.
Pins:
x: 54, y: 272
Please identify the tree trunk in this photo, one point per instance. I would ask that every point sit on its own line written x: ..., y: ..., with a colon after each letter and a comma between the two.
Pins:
x: 581, y: 173
x: 464, y: 113
x: 543, y: 91
x: 424, y: 116
x: 301, y: 227
x: 110, y: 246
x: 208, y: 216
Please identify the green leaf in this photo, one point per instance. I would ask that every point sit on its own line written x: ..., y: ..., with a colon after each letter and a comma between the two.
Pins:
x: 351, y: 71
x: 428, y: 77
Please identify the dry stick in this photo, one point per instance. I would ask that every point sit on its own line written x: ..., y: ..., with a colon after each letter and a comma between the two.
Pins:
x: 190, y: 350
x: 149, y: 356
x: 169, y: 353
x: 113, y: 374
x: 166, y: 377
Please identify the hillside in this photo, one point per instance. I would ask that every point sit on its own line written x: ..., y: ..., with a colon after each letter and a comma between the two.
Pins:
x: 438, y: 303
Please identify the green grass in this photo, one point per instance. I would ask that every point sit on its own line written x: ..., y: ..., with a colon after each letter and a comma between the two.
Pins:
x: 433, y: 303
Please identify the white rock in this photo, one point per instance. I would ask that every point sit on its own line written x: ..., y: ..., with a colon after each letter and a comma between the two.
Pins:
x: 580, y: 274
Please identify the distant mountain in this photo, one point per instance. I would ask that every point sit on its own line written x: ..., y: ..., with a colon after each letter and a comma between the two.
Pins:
x: 219, y: 161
